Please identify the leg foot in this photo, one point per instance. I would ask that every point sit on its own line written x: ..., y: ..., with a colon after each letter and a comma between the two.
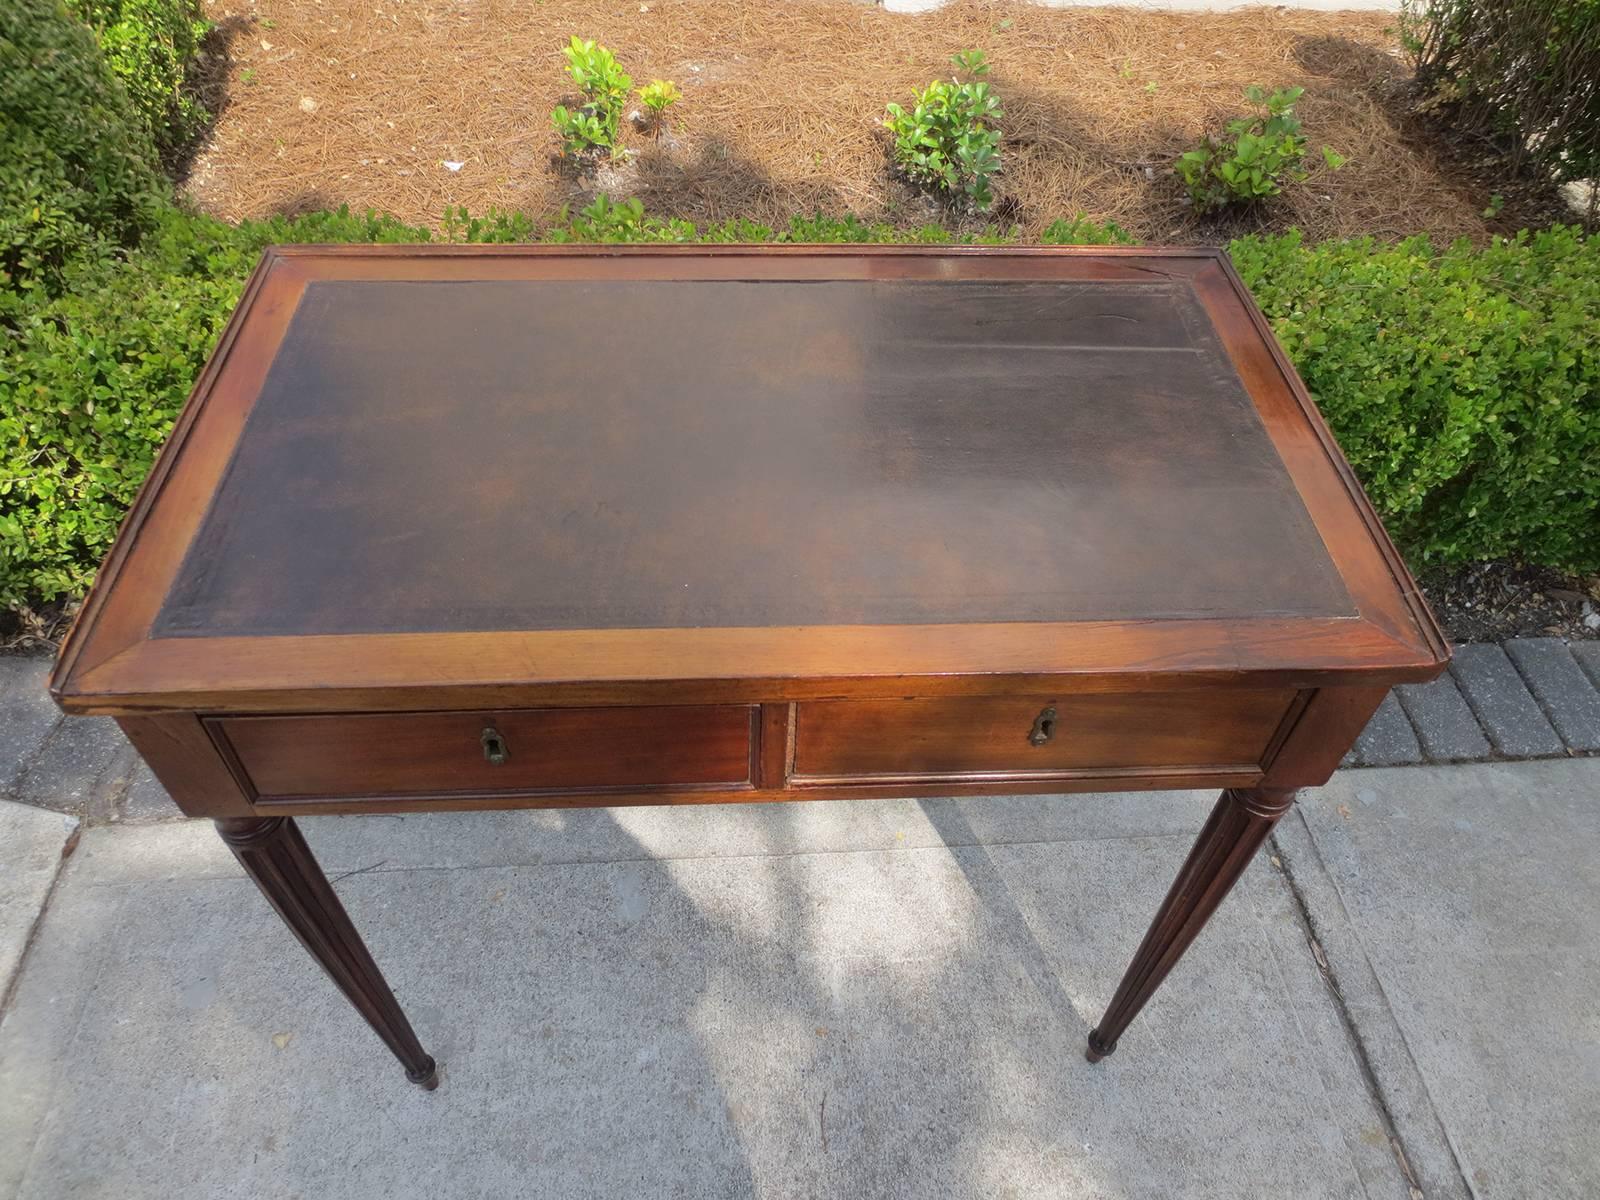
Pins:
x: 276, y: 857
x: 1097, y: 1049
x: 1238, y: 825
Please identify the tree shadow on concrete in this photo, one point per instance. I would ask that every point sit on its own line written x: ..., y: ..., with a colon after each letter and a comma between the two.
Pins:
x: 830, y: 999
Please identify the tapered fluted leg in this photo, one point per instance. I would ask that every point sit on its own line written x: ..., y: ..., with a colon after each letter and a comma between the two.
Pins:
x: 272, y: 852
x: 1238, y: 825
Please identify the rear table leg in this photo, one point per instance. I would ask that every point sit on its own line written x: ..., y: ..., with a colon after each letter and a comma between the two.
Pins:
x: 1238, y: 825
x: 275, y: 855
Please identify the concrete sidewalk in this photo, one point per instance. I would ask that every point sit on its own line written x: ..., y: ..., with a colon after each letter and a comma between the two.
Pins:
x: 835, y: 999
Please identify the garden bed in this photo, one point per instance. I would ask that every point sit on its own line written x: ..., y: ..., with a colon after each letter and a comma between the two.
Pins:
x: 1493, y: 601
x: 364, y: 105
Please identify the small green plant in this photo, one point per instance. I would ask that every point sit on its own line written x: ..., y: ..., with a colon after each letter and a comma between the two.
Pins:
x: 605, y: 88
x: 657, y: 96
x: 1256, y: 157
x: 949, y: 141
x: 580, y: 130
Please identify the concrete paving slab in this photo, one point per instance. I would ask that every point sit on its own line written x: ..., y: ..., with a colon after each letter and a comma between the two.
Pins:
x: 1588, y: 656
x: 1473, y: 894
x: 1560, y: 686
x: 145, y: 798
x: 1502, y: 703
x: 1421, y: 1141
x: 809, y: 1000
x: 82, y: 768
x: 26, y: 714
x: 31, y: 842
x: 1443, y: 722
x: 431, y: 841
x: 1388, y: 740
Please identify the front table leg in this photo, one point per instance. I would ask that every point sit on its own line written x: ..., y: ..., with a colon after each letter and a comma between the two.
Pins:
x: 1238, y: 825
x: 272, y: 852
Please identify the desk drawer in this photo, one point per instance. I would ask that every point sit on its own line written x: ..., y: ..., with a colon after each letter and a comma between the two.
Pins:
x: 1032, y: 736
x: 550, y: 749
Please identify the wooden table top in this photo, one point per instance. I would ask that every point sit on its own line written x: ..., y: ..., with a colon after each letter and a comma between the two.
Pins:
x: 585, y: 470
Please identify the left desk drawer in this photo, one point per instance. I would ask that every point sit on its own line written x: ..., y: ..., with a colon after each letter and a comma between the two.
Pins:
x: 493, y: 751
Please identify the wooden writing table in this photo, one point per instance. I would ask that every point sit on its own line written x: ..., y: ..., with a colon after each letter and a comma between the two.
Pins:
x: 455, y: 528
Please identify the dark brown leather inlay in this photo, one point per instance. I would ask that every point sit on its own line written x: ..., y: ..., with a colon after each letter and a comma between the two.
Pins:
x: 431, y: 456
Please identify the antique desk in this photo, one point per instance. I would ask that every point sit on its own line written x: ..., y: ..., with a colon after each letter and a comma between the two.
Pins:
x: 457, y: 528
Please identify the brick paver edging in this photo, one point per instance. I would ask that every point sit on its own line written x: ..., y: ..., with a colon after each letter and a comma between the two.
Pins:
x: 1525, y: 698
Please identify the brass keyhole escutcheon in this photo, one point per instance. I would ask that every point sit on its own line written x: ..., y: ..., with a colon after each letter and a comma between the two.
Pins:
x: 494, y: 746
x: 1044, y: 727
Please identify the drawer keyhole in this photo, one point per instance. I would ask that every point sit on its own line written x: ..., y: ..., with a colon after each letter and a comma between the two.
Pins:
x: 494, y: 746
x: 1044, y: 727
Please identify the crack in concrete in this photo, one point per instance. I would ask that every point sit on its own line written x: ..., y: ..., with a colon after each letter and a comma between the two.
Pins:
x: 67, y: 848
x: 1369, y: 1074
x: 384, y: 867
x: 27, y: 762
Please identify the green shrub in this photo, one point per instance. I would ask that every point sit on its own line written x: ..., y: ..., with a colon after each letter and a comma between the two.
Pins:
x: 608, y: 220
x: 76, y: 174
x: 605, y: 86
x: 1081, y: 231
x: 950, y: 141
x: 1255, y: 158
x: 86, y: 397
x: 1527, y: 68
x: 1463, y: 384
x: 738, y: 229
x: 850, y: 228
x: 493, y: 226
x: 150, y: 45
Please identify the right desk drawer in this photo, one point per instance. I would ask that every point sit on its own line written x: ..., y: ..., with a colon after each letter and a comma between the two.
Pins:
x: 1030, y: 736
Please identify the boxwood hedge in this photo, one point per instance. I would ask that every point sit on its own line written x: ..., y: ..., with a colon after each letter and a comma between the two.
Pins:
x: 151, y: 46
x: 77, y: 174
x: 1463, y: 383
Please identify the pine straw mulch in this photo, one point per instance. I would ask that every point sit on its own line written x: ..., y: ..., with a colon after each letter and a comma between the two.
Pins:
x: 333, y: 102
